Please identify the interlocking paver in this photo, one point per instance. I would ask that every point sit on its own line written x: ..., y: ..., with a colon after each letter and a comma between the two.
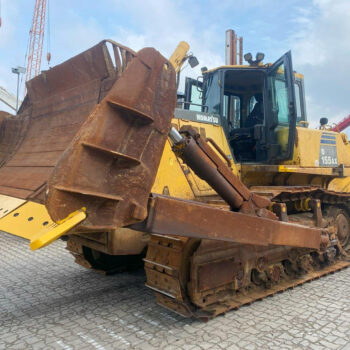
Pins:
x: 48, y: 302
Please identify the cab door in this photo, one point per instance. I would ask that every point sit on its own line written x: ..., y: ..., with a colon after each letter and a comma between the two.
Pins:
x: 280, y: 110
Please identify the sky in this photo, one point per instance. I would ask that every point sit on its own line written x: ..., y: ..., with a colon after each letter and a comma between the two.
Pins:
x: 316, y: 31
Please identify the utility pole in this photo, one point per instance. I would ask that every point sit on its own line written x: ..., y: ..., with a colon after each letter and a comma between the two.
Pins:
x: 19, y: 70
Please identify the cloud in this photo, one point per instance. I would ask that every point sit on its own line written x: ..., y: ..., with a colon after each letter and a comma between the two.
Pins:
x: 77, y: 33
x: 163, y: 24
x: 321, y: 51
x: 316, y: 31
x: 9, y: 15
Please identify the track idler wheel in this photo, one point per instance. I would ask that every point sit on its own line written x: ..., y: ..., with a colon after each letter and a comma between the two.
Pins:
x: 339, y: 225
x: 343, y: 228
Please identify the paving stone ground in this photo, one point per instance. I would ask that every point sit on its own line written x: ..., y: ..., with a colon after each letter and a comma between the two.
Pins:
x: 48, y: 302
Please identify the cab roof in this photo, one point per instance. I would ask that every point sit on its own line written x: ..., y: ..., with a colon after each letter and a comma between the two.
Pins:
x: 247, y: 66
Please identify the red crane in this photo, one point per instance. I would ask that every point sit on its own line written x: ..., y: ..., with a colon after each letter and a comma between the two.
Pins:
x: 36, y: 39
x: 342, y: 124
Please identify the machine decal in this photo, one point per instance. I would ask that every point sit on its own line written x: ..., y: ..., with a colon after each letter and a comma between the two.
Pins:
x: 199, y: 117
x: 207, y: 118
x: 328, y: 150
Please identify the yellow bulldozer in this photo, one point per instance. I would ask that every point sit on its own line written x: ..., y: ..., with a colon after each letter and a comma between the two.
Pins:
x: 223, y: 192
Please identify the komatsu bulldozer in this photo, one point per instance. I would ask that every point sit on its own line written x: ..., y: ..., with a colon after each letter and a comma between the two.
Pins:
x: 225, y: 192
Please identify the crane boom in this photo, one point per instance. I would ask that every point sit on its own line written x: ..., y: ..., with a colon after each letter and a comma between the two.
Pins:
x: 36, y: 40
x: 342, y: 124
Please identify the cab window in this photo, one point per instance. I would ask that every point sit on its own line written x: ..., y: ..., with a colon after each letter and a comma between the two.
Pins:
x: 278, y: 86
x: 212, y: 94
x: 196, y: 99
x: 193, y: 95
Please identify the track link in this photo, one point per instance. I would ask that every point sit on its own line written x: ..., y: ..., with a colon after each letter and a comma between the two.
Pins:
x: 166, y: 283
x: 188, y: 276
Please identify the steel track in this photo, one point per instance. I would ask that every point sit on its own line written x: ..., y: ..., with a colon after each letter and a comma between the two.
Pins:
x: 168, y: 269
x: 166, y: 284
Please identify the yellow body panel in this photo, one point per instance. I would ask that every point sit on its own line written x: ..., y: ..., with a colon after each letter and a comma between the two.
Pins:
x: 170, y: 179
x: 307, y: 148
x: 340, y: 184
x: 187, y: 179
x: 305, y: 168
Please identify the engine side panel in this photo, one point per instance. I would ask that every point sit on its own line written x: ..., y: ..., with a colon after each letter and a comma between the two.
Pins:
x: 320, y: 148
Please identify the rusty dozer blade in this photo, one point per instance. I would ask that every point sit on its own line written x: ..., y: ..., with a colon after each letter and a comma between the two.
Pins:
x: 57, y: 103
x: 111, y: 165
x: 98, y: 150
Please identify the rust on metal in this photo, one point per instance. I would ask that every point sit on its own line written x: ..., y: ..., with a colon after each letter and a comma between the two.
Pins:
x: 197, y: 220
x: 214, y: 277
x: 57, y: 103
x: 112, y: 162
x: 216, y: 274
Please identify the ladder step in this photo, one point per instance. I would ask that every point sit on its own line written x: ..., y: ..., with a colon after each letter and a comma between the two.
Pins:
x: 132, y: 160
x: 88, y: 193
x: 137, y: 113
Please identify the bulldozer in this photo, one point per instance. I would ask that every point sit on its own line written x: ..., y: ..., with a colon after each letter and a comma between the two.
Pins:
x: 224, y: 192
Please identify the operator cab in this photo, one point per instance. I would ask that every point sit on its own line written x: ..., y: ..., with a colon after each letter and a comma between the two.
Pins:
x: 258, y: 106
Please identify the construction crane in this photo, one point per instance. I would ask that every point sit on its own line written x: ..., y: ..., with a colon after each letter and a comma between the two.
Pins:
x: 342, y: 125
x: 36, y: 39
